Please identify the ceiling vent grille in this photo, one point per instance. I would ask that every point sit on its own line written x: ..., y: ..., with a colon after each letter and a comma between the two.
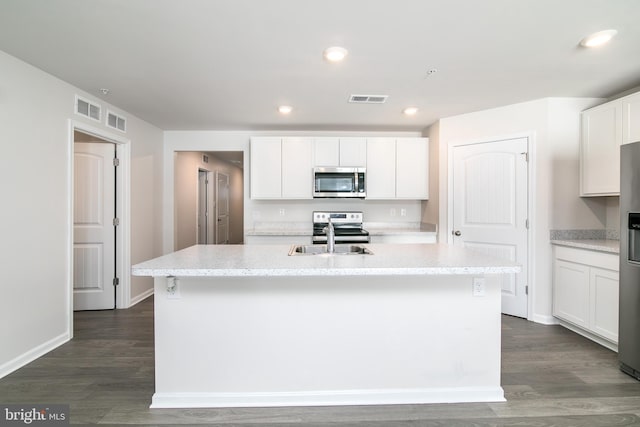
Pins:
x: 88, y: 109
x: 116, y: 122
x: 368, y: 99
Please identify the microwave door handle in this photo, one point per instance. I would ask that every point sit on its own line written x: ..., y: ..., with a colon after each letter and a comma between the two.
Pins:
x: 357, y: 186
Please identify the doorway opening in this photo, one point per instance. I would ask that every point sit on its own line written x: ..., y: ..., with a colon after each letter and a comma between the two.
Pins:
x: 98, y: 271
x: 208, y: 198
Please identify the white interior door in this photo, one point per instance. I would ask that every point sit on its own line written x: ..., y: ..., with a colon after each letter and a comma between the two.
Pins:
x: 490, y: 188
x: 205, y: 210
x: 94, y: 232
x: 222, y: 208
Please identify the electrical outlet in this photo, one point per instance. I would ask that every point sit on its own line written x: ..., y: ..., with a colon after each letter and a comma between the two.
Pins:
x: 478, y: 287
x: 173, y: 290
x: 281, y: 212
x: 403, y: 212
x: 392, y: 212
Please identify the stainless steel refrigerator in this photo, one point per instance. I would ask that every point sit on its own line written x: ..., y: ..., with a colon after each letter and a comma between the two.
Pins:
x: 629, y: 325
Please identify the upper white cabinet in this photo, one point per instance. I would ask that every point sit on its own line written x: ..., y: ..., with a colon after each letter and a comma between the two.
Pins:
x: 412, y: 168
x: 398, y: 168
x: 340, y: 151
x: 266, y: 168
x: 297, y: 168
x: 600, y: 150
x: 604, y: 129
x: 381, y: 168
x: 631, y: 118
x: 281, y: 168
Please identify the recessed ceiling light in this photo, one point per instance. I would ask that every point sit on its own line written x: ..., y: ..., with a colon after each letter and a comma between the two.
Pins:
x: 410, y: 111
x: 598, y: 39
x: 335, y: 53
x: 285, y: 109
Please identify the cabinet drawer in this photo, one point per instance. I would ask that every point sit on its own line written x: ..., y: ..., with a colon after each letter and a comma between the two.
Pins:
x: 587, y: 257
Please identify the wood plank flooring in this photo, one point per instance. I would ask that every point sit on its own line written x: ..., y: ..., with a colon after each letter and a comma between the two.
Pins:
x: 551, y: 377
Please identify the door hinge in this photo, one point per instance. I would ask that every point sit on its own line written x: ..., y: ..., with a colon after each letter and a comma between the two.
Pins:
x: 526, y: 223
x: 526, y: 290
x: 526, y: 156
x: 116, y: 281
x: 116, y: 162
x: 116, y: 222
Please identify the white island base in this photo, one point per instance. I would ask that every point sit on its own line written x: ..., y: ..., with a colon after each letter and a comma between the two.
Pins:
x: 326, y: 340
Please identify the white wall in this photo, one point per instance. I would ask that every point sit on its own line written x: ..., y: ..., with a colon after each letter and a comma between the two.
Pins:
x: 554, y: 127
x: 35, y: 110
x: 256, y: 211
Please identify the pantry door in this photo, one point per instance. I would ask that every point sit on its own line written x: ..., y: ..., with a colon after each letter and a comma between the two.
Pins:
x: 94, y: 238
x: 490, y: 193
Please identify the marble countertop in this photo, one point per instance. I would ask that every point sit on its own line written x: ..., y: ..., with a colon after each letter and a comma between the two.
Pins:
x: 600, y: 245
x: 273, y: 260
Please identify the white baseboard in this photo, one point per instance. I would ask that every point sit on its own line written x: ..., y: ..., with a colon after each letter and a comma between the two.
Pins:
x: 328, y: 398
x: 139, y: 298
x: 33, y: 354
x: 578, y: 330
x: 544, y: 319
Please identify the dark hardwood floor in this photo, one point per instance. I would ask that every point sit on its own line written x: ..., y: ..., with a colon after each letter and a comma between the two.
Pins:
x: 551, y: 377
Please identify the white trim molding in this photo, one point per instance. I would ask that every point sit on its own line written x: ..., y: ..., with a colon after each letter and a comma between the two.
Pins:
x: 329, y: 398
x: 31, y: 355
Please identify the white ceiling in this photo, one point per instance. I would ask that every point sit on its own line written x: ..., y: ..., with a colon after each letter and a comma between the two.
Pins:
x: 228, y: 64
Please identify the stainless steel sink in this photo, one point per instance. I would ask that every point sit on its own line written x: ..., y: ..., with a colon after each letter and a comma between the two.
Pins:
x: 322, y: 249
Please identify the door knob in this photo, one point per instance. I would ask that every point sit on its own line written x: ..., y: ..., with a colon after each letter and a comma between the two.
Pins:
x: 456, y: 233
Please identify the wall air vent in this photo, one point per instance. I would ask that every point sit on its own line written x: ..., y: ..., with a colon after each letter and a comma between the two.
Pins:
x: 88, y: 109
x: 368, y: 99
x: 116, y: 122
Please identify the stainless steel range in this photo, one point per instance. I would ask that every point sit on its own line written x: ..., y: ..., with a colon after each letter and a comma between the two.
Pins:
x: 347, y: 226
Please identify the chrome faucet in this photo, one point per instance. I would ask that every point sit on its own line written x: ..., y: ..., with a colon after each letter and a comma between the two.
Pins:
x: 331, y: 237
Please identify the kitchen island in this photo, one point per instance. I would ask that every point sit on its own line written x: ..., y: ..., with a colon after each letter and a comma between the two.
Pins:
x: 252, y: 326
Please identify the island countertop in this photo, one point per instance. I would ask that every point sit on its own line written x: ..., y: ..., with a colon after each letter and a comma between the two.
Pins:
x: 273, y: 260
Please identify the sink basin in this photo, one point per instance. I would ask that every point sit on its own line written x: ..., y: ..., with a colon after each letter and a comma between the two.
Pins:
x: 322, y: 249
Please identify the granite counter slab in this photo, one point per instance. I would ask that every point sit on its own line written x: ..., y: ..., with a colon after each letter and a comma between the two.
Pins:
x: 600, y: 245
x: 273, y: 260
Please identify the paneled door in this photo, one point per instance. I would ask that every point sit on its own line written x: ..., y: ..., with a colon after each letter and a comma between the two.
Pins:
x: 222, y: 208
x: 490, y: 185
x: 94, y: 242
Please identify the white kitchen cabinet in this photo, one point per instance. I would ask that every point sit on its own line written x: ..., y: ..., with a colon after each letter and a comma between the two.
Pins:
x: 340, y: 152
x: 266, y: 168
x: 603, y: 311
x: 585, y: 293
x: 297, y: 168
x: 600, y: 150
x: 631, y: 118
x: 402, y: 238
x: 604, y: 129
x: 281, y: 168
x: 398, y: 168
x: 282, y: 239
x: 412, y: 168
x: 353, y: 152
x: 381, y: 168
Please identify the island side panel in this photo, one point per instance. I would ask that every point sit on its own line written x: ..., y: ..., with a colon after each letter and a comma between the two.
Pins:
x: 280, y: 341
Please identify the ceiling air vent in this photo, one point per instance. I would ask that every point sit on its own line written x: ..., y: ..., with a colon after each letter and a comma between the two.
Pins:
x: 116, y: 122
x: 87, y: 109
x: 368, y: 99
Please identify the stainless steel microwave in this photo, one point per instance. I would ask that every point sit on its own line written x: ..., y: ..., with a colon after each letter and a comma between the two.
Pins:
x: 339, y: 182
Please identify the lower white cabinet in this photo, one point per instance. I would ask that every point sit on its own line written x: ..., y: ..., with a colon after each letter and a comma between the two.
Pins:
x: 404, y: 238
x: 262, y: 239
x: 585, y: 292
